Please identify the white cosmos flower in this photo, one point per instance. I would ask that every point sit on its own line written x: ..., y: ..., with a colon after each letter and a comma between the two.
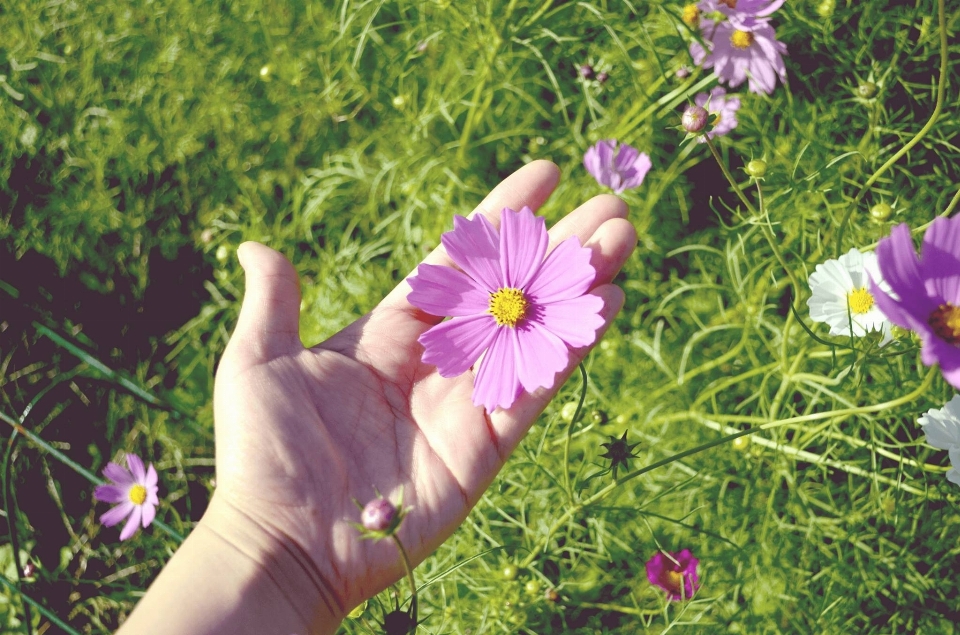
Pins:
x: 841, y: 295
x: 942, y: 427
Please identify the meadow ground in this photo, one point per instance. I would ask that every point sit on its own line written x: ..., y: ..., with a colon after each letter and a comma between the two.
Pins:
x: 142, y: 142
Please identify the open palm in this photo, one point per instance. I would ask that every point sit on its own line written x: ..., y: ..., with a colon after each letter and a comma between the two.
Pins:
x: 303, y: 432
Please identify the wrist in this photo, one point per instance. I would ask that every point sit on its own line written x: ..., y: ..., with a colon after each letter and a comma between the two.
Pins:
x: 272, y: 559
x: 233, y: 577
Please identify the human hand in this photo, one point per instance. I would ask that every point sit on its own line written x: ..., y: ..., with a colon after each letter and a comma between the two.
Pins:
x: 302, y: 432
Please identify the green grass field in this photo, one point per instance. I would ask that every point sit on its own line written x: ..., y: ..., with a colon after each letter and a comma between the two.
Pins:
x: 142, y: 142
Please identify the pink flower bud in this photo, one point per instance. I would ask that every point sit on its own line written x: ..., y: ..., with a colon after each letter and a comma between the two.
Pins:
x: 694, y: 118
x: 378, y: 514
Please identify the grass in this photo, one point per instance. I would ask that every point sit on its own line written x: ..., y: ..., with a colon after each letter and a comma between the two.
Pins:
x: 140, y: 143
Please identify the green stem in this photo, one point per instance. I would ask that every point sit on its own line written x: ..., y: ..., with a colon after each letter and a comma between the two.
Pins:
x: 941, y: 94
x: 573, y: 422
x: 762, y: 218
x: 410, y: 580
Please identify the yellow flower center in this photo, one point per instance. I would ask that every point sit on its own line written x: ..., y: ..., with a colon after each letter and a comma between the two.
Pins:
x: 945, y: 321
x: 508, y: 306
x: 691, y: 15
x: 741, y: 39
x: 138, y: 494
x: 860, y: 301
x: 674, y: 580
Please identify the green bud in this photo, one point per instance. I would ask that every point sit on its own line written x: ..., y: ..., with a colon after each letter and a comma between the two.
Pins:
x: 826, y: 8
x: 598, y: 417
x: 222, y: 253
x: 757, y: 168
x: 867, y: 89
x: 881, y: 212
x: 569, y: 409
x: 510, y: 572
x: 532, y: 587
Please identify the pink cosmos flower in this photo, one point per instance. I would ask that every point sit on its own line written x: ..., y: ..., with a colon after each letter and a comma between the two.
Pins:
x: 134, y: 491
x: 512, y: 303
x: 623, y: 170
x: 675, y: 573
x: 741, y: 51
x: 740, y: 12
x: 722, y: 109
x: 927, y: 290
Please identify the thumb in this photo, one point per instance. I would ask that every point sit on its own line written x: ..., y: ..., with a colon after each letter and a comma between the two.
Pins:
x: 270, y: 315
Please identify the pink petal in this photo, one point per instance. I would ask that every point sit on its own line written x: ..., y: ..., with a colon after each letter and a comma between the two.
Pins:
x: 475, y: 247
x: 566, y: 273
x: 940, y: 260
x: 523, y: 243
x: 136, y: 468
x: 901, y: 269
x: 149, y: 512
x: 575, y: 321
x: 132, y: 524
x: 110, y: 493
x: 540, y: 356
x: 444, y: 291
x: 455, y: 345
x: 112, y: 516
x: 497, y: 384
x: 151, y: 478
x: 118, y: 475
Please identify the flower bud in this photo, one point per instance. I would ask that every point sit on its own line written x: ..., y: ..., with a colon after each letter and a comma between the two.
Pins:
x: 510, y: 572
x: 206, y: 236
x: 602, y: 76
x: 683, y: 72
x: 568, y: 411
x: 881, y: 212
x: 826, y: 8
x: 378, y: 515
x: 694, y: 118
x: 867, y: 90
x: 586, y: 71
x: 757, y: 168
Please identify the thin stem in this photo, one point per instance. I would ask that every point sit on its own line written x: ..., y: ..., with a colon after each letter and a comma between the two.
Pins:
x: 733, y: 181
x: 410, y: 580
x: 762, y: 217
x: 12, y: 513
x: 573, y: 422
x: 941, y: 94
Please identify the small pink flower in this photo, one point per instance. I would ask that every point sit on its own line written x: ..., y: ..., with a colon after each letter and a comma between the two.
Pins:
x: 722, y: 109
x: 135, y: 493
x: 513, y: 303
x: 675, y: 573
x: 620, y: 170
x: 741, y: 51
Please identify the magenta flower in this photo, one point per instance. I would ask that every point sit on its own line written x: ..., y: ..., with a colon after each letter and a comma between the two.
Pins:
x: 514, y: 304
x: 741, y: 12
x: 742, y: 51
x: 134, y: 491
x: 623, y: 170
x: 722, y: 109
x: 927, y: 290
x: 675, y: 573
